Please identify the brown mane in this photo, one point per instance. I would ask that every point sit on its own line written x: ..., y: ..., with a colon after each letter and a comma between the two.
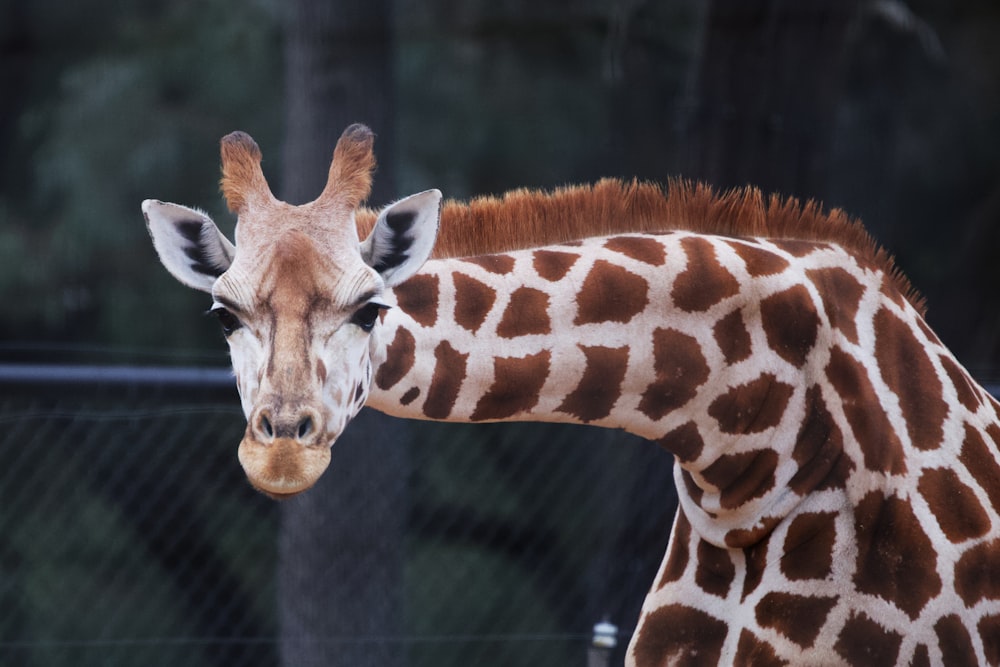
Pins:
x: 528, y: 218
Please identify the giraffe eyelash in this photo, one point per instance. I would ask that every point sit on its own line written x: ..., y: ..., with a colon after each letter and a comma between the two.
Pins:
x: 365, y: 316
x: 229, y: 322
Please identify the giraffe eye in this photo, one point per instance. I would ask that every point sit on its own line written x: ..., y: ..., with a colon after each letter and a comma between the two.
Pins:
x: 365, y: 316
x: 229, y: 322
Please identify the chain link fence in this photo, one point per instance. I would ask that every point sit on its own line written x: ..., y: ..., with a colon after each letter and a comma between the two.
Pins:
x: 129, y: 536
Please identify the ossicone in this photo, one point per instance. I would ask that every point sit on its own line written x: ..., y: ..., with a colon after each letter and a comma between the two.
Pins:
x: 350, y: 179
x: 243, y: 182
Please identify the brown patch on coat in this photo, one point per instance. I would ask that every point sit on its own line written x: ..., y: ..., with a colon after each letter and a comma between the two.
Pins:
x: 977, y: 576
x: 954, y: 641
x: 715, y: 571
x: 600, y: 387
x: 928, y: 332
x: 753, y: 407
x: 449, y: 374
x: 418, y: 297
x: 989, y: 632
x: 677, y: 634
x: 517, y: 386
x: 553, y: 265
x: 909, y: 373
x: 527, y: 313
x: 979, y: 458
x: 409, y: 396
x: 684, y: 442
x: 797, y: 248
x: 732, y: 337
x: 643, y: 249
x: 691, y: 486
x: 679, y: 554
x: 921, y: 656
x: 965, y: 389
x: 473, y: 301
x: 752, y: 652
x: 759, y: 261
x: 400, y: 356
x: 896, y: 560
x: 790, y: 324
x: 610, y: 293
x: 841, y: 295
x: 743, y: 476
x: 498, y: 264
x: 953, y: 504
x: 680, y: 369
x: 798, y: 617
x: 755, y: 557
x: 744, y: 538
x: 862, y: 641
x: 808, y: 549
x: 819, y: 449
x: 880, y: 446
x: 704, y: 282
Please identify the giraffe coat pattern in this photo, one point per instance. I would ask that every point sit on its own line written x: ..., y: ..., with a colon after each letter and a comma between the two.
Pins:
x: 837, y: 469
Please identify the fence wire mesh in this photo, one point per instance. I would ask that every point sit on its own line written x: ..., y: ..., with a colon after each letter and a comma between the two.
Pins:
x: 129, y: 536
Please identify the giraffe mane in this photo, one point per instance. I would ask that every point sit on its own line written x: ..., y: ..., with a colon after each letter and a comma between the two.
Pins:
x: 532, y: 218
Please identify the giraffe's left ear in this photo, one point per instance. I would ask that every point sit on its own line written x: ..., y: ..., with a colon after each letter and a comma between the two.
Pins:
x: 403, y: 236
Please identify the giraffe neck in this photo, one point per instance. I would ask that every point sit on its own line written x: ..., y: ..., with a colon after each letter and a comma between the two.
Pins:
x: 714, y: 347
x: 827, y: 445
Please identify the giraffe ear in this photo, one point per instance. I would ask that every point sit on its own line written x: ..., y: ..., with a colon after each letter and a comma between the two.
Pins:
x: 188, y: 243
x: 403, y: 236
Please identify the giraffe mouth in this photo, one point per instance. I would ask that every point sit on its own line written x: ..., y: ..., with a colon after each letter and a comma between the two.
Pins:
x: 282, y: 468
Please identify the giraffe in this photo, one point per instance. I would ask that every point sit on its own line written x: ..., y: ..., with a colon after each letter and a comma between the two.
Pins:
x: 837, y: 468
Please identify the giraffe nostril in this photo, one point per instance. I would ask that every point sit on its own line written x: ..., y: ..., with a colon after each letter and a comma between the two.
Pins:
x: 305, y: 427
x: 265, y: 425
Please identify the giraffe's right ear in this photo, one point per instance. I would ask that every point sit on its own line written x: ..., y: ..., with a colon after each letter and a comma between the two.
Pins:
x: 403, y: 236
x: 188, y: 243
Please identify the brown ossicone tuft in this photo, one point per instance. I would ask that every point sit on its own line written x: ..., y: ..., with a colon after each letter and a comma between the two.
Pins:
x: 242, y: 178
x: 350, y: 178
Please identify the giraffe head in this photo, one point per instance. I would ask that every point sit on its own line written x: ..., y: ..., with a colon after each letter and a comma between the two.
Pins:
x: 298, y: 297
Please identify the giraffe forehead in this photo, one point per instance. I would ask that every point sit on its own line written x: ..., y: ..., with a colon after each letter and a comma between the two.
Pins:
x: 297, y: 275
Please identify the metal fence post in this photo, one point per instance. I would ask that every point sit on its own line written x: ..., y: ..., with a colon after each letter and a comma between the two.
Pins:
x: 602, y: 644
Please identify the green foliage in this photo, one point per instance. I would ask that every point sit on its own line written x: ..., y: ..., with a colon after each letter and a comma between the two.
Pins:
x: 134, y: 111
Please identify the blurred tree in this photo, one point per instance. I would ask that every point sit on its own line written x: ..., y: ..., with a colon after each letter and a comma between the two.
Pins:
x: 99, y: 119
x: 341, y: 549
x: 768, y: 79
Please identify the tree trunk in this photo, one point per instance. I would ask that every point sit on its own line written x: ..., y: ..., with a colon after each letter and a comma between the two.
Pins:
x: 341, y: 545
x: 338, y: 70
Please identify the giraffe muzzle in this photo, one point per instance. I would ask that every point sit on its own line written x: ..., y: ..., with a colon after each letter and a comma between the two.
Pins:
x: 283, y: 451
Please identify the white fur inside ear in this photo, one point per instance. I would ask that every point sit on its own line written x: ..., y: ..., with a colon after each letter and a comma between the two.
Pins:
x: 403, y: 236
x: 188, y: 243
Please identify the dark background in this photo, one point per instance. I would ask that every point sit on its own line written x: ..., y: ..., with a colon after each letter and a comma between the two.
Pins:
x: 424, y: 544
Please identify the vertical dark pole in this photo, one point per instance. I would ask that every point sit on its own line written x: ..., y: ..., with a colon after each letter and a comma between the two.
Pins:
x: 341, y: 548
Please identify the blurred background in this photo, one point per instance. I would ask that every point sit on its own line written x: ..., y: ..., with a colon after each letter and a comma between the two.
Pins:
x: 127, y: 532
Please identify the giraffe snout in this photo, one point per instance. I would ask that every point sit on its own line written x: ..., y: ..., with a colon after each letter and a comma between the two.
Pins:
x: 283, y: 451
x: 303, y: 425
